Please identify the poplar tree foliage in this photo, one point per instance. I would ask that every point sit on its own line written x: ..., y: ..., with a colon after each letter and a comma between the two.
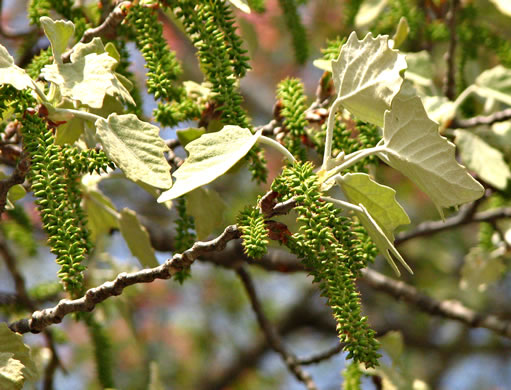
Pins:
x: 77, y: 109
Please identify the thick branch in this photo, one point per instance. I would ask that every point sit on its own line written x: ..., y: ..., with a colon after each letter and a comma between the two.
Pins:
x: 271, y: 334
x: 449, y: 85
x: 41, y: 319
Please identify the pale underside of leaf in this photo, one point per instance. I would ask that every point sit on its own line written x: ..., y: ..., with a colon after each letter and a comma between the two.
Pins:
x: 415, y: 148
x: 367, y: 76
x: 495, y: 83
x: 11, y: 372
x: 58, y: 33
x: 136, y: 147
x: 379, y: 200
x: 12, y: 74
x: 210, y: 156
x: 12, y: 343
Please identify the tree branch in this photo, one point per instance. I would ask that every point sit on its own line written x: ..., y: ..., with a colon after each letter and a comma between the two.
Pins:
x: 499, y: 116
x: 271, y: 335
x: 449, y: 84
x: 18, y: 177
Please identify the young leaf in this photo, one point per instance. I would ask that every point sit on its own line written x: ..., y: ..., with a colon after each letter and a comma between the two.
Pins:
x: 207, y: 209
x: 88, y: 80
x: 136, y: 148
x: 495, y: 83
x: 210, y: 156
x: 367, y: 76
x: 379, y: 200
x: 481, y: 268
x: 12, y: 74
x: 402, y: 31
x: 186, y: 136
x: 12, y: 343
x: 11, y: 372
x: 58, y: 33
x: 137, y: 238
x: 415, y: 148
x: 485, y: 160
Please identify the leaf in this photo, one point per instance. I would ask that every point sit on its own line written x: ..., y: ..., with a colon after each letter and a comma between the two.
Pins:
x: 12, y: 74
x: 12, y: 343
x: 186, y: 136
x: 155, y: 382
x: 402, y: 31
x: 137, y: 238
x: 495, y: 83
x: 11, y: 372
x: 16, y: 192
x: 503, y: 6
x: 242, y: 5
x: 367, y: 76
x: 392, y: 344
x: 414, y: 147
x: 88, y: 80
x: 207, y: 209
x: 368, y: 12
x: 210, y: 156
x: 80, y: 50
x: 58, y: 32
x: 136, y: 148
x: 379, y: 200
x: 440, y: 109
x: 483, y: 159
x: 481, y: 268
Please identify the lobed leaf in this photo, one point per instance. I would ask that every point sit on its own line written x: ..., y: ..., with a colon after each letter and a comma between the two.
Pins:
x: 11, y: 372
x: 58, y: 32
x: 11, y: 343
x: 495, y: 83
x: 12, y: 74
x: 415, y: 148
x: 210, y: 156
x: 367, y: 75
x: 135, y: 147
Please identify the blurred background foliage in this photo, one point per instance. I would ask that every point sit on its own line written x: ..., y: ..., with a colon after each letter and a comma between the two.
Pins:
x: 202, y: 334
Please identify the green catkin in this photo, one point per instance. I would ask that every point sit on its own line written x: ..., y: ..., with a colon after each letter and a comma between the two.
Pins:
x: 352, y: 377
x: 254, y: 232
x: 297, y: 29
x: 102, y: 351
x: 333, y: 259
x: 185, y: 236
x: 332, y: 49
x: 45, y: 57
x: 291, y: 94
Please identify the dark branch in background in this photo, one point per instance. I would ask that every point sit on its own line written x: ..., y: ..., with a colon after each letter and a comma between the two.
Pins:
x: 18, y: 177
x: 449, y: 85
x: 318, y: 358
x: 499, y: 116
x: 271, y: 334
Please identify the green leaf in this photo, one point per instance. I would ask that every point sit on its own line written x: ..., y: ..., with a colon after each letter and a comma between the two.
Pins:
x: 483, y: 159
x: 136, y: 148
x: 440, y: 109
x: 11, y: 372
x: 58, y: 32
x: 367, y: 76
x: 155, y: 382
x: 392, y: 344
x: 495, y: 83
x: 16, y: 192
x: 88, y: 80
x: 207, y: 209
x: 481, y: 268
x: 80, y: 50
x: 12, y: 343
x: 369, y: 11
x: 414, y: 147
x: 210, y: 156
x: 186, y: 136
x: 402, y: 31
x: 379, y: 200
x: 137, y: 238
x: 12, y: 74
x: 242, y: 5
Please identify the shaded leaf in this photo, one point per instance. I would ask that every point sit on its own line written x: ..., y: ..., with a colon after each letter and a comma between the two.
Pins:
x: 242, y: 5
x: 495, y: 83
x: 186, y: 136
x: 402, y: 31
x: 137, y: 238
x: 415, y: 148
x: 207, y: 209
x: 12, y: 74
x: 58, y: 33
x: 483, y: 159
x: 367, y: 76
x: 481, y: 268
x: 11, y: 372
x: 12, y: 343
x: 210, y: 156
x: 392, y: 344
x: 440, y: 109
x: 155, y: 382
x: 135, y: 147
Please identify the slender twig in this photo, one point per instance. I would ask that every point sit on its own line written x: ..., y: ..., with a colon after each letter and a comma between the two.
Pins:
x: 318, y: 358
x: 271, y: 334
x: 499, y: 116
x: 449, y: 82
x: 39, y: 320
x: 451, y: 309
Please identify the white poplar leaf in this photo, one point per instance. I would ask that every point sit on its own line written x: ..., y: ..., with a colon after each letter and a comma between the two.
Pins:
x: 483, y: 159
x: 12, y: 74
x: 210, y: 156
x: 136, y: 147
x: 242, y: 5
x: 415, y: 148
x: 207, y: 209
x: 367, y: 75
x: 11, y: 372
x: 495, y: 83
x: 12, y: 343
x: 503, y: 6
x: 58, y: 33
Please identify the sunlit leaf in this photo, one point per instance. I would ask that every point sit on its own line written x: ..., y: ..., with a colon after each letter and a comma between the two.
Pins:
x: 12, y: 343
x: 12, y: 74
x: 137, y: 238
x: 379, y: 200
x: 11, y: 372
x: 367, y: 76
x: 440, y: 109
x: 369, y: 11
x: 503, y: 6
x: 415, y: 148
x: 401, y: 34
x: 495, y: 83
x: 16, y: 192
x: 207, y: 209
x: 483, y: 159
x: 242, y: 5
x: 58, y: 32
x: 210, y: 156
x: 135, y: 147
